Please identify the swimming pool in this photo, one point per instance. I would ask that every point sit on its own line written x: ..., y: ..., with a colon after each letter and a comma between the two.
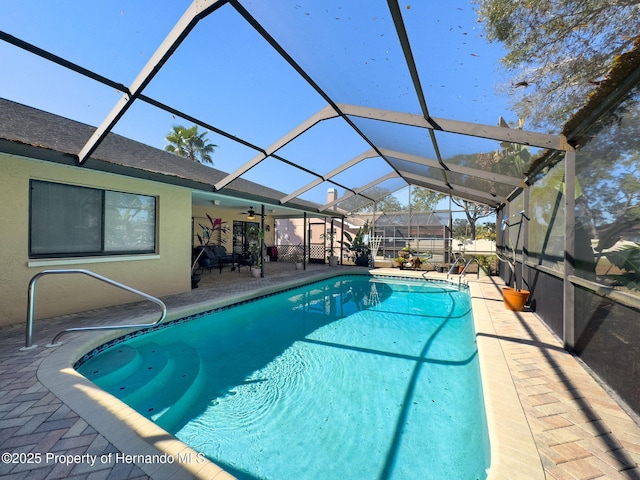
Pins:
x: 353, y: 377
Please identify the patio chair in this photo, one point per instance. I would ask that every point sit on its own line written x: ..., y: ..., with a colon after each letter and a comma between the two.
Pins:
x: 245, y: 259
x: 214, y: 256
x: 206, y: 259
x: 222, y: 257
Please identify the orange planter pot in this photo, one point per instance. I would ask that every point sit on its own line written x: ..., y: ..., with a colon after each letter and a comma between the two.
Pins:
x: 514, y: 300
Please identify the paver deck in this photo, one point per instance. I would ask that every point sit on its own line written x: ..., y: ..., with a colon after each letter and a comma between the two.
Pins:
x: 548, y: 417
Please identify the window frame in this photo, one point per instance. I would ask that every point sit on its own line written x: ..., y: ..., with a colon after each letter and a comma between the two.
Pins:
x: 242, y: 237
x: 103, y: 250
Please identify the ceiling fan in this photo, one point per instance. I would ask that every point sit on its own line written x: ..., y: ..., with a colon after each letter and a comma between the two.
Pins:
x: 251, y: 214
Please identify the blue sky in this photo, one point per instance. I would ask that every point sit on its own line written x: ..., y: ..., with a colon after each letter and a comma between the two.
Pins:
x: 226, y: 75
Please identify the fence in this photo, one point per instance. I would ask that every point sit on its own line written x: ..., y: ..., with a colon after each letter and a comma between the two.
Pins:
x: 291, y: 253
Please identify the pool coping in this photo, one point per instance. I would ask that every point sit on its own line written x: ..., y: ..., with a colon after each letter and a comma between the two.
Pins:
x: 514, y: 453
x: 513, y: 449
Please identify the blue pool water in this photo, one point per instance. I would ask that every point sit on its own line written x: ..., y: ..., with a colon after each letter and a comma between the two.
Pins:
x: 354, y: 377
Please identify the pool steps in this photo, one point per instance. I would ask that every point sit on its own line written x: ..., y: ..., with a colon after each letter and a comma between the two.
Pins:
x: 110, y: 372
x: 150, y: 381
x: 171, y: 417
x: 162, y: 392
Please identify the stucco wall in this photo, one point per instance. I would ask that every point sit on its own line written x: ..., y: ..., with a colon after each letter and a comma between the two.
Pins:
x: 165, y: 273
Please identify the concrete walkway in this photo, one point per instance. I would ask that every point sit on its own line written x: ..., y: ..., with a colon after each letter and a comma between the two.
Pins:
x: 577, y: 430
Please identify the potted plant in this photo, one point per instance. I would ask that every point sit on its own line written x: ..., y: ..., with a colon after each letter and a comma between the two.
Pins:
x: 514, y: 298
x: 206, y: 239
x: 414, y: 261
x: 399, y: 261
x: 256, y: 250
x: 357, y: 246
x: 485, y: 265
x: 332, y: 258
x: 298, y: 258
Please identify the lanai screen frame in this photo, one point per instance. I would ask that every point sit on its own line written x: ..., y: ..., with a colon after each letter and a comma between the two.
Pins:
x: 350, y: 114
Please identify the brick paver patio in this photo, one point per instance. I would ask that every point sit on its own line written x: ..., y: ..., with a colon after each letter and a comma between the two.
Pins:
x: 579, y: 430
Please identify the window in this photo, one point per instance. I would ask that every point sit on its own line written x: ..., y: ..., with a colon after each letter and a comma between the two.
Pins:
x: 71, y: 221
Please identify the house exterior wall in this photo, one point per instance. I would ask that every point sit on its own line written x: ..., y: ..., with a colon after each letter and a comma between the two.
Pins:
x: 163, y: 273
x: 290, y: 232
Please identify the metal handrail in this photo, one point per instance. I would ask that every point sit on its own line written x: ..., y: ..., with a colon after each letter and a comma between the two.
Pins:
x: 455, y: 264
x: 473, y: 259
x: 31, y: 306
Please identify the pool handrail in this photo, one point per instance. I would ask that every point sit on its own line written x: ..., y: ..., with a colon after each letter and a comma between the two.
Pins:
x: 31, y: 306
x: 473, y: 259
x: 455, y: 263
x: 466, y: 264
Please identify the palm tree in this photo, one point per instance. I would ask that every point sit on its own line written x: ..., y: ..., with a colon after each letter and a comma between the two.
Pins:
x: 188, y: 143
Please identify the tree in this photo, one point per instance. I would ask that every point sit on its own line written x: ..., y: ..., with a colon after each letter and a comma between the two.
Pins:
x: 474, y: 212
x: 609, y: 177
x: 386, y: 201
x: 425, y: 200
x: 511, y: 159
x: 460, y: 228
x: 389, y: 204
x: 188, y: 143
x: 486, y: 231
x: 558, y: 51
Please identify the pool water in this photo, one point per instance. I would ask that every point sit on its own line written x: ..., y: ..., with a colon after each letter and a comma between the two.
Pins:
x: 354, y: 377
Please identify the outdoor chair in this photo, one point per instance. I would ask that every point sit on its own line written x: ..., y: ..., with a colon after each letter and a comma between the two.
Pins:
x: 245, y: 259
x: 206, y: 259
x: 214, y: 256
x: 222, y: 257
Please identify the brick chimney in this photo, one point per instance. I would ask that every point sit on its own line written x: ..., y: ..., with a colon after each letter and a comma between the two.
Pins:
x: 332, y: 195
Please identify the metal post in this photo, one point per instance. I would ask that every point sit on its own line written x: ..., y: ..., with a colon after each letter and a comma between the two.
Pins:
x: 372, y: 234
x: 409, y: 216
x: 525, y: 240
x: 262, y: 240
x: 342, y: 240
x: 304, y: 242
x: 568, y: 302
x: 28, y: 342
